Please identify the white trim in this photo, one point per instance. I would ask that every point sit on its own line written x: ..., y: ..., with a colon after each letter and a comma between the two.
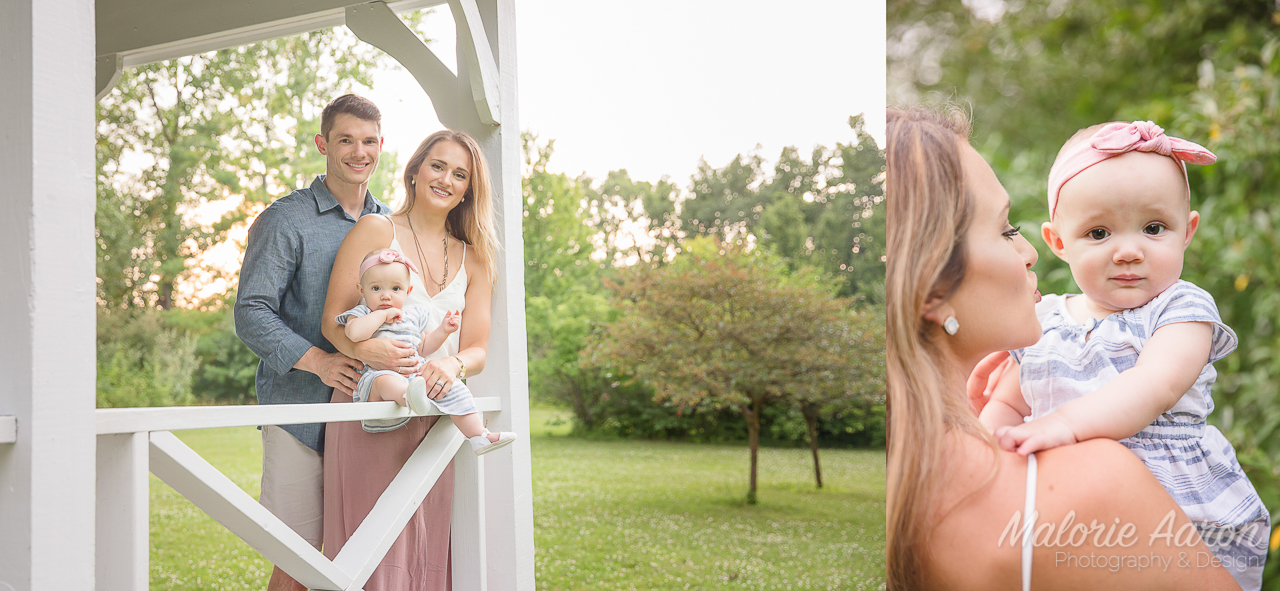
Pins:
x: 254, y: 33
x: 178, y: 418
x: 122, y: 536
x: 466, y: 523
x: 210, y: 490
x: 8, y: 429
x: 376, y: 24
x: 482, y: 69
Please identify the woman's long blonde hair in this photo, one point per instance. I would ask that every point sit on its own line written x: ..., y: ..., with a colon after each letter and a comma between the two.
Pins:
x: 471, y: 221
x: 928, y: 216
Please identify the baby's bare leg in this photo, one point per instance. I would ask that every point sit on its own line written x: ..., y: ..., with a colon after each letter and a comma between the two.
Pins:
x: 388, y: 387
x: 471, y: 425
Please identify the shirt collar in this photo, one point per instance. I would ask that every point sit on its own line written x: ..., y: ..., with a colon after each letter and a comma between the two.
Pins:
x: 325, y: 200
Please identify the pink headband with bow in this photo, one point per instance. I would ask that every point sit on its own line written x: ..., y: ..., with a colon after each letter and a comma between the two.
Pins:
x: 1115, y: 139
x: 386, y: 257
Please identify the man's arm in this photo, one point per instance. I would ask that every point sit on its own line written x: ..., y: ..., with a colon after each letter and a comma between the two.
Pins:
x: 270, y: 263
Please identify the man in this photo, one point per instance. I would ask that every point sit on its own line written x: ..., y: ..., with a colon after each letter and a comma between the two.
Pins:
x: 283, y: 282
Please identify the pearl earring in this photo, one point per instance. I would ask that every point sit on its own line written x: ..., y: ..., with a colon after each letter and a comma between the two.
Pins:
x: 951, y: 325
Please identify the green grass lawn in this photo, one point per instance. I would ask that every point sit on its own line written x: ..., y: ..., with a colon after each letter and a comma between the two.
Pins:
x: 608, y: 515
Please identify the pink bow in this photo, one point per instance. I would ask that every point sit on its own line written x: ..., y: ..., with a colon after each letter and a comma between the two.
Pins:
x: 386, y: 257
x: 1115, y: 139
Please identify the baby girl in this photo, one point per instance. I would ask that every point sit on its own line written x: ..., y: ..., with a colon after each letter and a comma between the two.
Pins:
x: 1131, y: 358
x: 384, y: 283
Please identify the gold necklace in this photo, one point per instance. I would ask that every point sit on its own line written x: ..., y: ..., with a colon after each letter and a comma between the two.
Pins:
x: 444, y: 241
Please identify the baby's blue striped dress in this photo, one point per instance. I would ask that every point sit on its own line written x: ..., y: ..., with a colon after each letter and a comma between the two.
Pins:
x: 1190, y: 458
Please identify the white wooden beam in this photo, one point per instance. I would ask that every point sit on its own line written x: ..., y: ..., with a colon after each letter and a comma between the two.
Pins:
x: 109, y: 68
x: 466, y: 526
x: 508, y: 480
x: 210, y: 490
x: 122, y: 513
x: 482, y: 70
x: 46, y: 237
x: 8, y: 429
x: 147, y: 31
x: 380, y: 528
x: 376, y: 24
x: 178, y: 418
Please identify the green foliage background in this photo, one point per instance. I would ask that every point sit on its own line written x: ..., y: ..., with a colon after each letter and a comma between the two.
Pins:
x: 1034, y: 72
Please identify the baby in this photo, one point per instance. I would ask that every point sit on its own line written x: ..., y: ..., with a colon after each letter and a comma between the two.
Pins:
x: 1131, y: 358
x: 384, y: 283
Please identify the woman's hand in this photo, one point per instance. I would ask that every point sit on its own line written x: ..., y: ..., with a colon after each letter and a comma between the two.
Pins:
x: 440, y: 375
x: 388, y: 354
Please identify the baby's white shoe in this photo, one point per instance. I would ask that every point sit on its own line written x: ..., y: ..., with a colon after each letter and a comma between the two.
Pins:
x: 481, y: 444
x: 416, y: 396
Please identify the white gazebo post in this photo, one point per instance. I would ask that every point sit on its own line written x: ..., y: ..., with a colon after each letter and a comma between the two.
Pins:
x: 47, y: 250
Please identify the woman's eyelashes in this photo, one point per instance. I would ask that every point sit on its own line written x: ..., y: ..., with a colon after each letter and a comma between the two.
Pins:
x: 1012, y: 231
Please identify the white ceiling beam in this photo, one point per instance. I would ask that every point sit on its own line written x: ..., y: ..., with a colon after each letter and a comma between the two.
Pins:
x: 376, y: 24
x: 147, y: 31
x: 481, y: 67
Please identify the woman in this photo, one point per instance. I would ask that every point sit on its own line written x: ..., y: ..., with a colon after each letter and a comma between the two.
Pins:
x: 959, y: 287
x: 445, y: 226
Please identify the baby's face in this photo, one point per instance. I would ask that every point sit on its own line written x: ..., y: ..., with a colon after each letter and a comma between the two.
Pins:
x: 385, y: 286
x: 1123, y: 225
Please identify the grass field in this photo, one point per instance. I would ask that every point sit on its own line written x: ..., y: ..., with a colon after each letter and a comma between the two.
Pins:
x: 609, y: 515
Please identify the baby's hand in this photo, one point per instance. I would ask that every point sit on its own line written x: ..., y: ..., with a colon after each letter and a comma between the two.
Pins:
x: 452, y: 322
x: 393, y: 315
x: 1046, y: 432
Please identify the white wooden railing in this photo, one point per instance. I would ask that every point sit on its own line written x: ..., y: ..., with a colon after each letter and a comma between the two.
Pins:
x: 135, y: 441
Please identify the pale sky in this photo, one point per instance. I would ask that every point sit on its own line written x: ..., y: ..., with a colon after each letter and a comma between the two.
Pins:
x: 655, y: 86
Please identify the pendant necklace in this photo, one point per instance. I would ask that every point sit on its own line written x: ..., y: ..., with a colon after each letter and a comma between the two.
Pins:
x: 427, y: 266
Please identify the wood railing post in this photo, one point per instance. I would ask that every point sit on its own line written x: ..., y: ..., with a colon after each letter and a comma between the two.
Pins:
x: 467, y: 527
x: 122, y: 519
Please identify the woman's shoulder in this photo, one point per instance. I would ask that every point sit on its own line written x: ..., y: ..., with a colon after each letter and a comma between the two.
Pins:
x: 375, y: 229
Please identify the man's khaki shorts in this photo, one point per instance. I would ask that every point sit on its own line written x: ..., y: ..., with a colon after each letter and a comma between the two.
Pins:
x: 293, y: 483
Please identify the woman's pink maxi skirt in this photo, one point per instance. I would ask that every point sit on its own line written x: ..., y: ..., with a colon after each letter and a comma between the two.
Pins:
x: 358, y: 466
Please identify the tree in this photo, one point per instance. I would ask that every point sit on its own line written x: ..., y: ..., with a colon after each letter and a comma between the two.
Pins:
x: 847, y: 368
x: 719, y: 327
x: 564, y: 298
x: 826, y: 210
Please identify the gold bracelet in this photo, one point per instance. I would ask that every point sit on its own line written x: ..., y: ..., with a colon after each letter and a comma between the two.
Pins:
x: 462, y: 367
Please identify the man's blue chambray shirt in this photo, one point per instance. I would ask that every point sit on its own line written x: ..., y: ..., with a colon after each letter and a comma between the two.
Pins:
x: 283, y: 284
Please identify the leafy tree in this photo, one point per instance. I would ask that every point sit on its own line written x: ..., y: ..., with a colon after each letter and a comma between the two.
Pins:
x: 826, y: 210
x: 846, y: 369
x: 723, y: 328
x: 564, y: 299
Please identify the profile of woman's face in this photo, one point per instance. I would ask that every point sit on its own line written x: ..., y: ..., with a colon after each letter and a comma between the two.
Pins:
x: 995, y: 302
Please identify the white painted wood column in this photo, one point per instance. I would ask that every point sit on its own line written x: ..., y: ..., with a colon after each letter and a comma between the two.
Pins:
x: 47, y: 265
x: 508, y: 483
x: 123, y: 503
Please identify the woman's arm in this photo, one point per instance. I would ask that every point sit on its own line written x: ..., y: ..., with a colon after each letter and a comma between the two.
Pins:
x: 473, y: 340
x: 370, y: 233
x: 1167, y: 368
